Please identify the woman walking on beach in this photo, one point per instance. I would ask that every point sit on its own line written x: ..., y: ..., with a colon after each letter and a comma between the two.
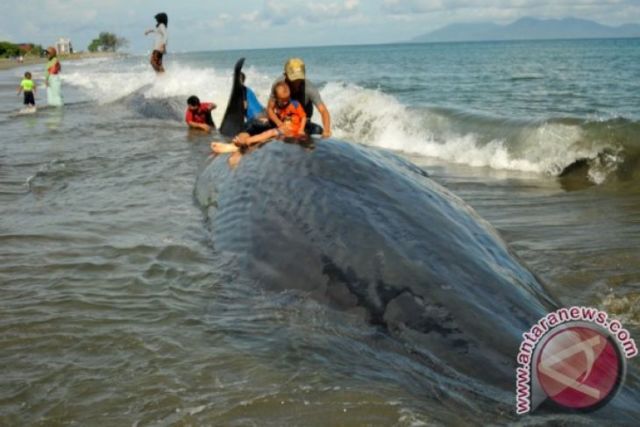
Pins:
x: 52, y: 78
x: 160, y: 45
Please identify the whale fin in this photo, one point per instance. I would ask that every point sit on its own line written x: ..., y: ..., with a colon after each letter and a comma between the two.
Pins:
x: 233, y: 121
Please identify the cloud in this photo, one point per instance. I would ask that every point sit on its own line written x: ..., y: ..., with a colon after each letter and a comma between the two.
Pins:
x: 70, y: 10
x: 279, y: 13
x: 427, y: 6
x: 233, y: 23
x: 46, y: 20
x: 220, y: 21
x: 448, y: 11
x: 269, y: 23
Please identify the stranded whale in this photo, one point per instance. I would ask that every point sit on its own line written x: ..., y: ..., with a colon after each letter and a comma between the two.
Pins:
x: 365, y: 230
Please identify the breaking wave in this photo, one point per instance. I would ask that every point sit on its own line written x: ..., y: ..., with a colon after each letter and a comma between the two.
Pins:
x: 550, y: 147
x: 597, y: 149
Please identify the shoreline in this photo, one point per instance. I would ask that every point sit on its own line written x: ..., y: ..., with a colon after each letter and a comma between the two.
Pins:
x: 8, y: 63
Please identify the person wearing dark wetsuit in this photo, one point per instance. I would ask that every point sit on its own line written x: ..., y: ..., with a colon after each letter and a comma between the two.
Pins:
x: 305, y: 92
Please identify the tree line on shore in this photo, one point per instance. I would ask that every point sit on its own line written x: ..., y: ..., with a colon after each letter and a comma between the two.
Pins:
x: 105, y: 42
x: 12, y: 50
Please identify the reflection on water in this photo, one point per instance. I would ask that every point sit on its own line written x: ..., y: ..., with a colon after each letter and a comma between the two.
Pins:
x: 53, y: 118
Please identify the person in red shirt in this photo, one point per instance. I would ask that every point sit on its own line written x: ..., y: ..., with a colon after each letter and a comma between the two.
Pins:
x: 289, y: 112
x: 198, y: 114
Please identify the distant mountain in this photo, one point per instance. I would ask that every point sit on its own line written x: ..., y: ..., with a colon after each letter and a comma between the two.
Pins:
x: 529, y: 29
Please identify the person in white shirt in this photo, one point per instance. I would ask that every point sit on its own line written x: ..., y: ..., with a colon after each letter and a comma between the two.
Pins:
x: 160, y: 46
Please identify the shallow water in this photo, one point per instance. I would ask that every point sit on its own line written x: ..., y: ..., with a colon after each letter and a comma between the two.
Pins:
x: 117, y: 309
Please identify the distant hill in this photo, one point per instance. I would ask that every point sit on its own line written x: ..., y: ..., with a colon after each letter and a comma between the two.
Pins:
x: 529, y: 29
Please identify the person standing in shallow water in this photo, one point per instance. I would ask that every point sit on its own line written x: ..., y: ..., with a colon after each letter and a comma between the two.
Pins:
x: 160, y: 44
x: 52, y: 78
x: 28, y: 87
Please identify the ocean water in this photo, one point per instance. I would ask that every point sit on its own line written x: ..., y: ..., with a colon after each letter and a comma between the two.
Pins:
x: 118, y: 307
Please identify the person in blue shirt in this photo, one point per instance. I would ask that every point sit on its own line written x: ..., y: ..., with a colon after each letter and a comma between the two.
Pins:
x: 256, y: 120
x: 252, y: 107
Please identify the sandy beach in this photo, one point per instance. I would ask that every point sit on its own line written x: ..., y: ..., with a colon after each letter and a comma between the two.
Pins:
x: 8, y: 63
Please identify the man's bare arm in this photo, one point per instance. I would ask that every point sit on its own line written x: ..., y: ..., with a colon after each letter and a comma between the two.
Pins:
x: 326, y: 120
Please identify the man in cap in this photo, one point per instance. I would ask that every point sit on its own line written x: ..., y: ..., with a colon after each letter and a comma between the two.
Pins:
x: 305, y: 92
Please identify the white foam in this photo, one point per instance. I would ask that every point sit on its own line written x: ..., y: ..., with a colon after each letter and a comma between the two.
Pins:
x: 110, y: 82
x: 371, y: 117
x: 360, y: 115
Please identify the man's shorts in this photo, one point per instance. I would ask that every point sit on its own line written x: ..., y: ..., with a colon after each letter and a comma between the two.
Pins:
x: 256, y: 126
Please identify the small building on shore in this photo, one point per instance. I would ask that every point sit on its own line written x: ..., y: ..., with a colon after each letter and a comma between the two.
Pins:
x: 25, y: 47
x: 63, y: 46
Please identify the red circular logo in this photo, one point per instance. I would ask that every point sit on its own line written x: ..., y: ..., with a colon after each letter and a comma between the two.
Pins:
x: 579, y: 368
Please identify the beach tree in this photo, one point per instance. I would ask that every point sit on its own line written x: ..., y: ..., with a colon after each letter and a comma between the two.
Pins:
x: 107, y: 42
x: 8, y: 49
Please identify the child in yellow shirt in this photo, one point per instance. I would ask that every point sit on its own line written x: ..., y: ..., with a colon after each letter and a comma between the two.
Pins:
x: 28, y: 87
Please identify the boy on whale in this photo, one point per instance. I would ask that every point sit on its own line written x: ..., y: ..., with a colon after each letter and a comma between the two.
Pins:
x: 289, y: 112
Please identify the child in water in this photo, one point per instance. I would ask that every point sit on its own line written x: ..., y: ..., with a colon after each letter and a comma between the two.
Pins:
x: 289, y: 111
x: 28, y: 87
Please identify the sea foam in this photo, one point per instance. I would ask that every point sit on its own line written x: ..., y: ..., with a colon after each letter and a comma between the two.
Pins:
x: 370, y: 117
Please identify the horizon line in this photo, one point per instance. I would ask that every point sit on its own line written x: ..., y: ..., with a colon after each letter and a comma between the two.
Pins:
x: 404, y: 42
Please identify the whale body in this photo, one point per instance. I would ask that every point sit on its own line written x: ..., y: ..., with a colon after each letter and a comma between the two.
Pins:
x: 365, y: 230
x: 368, y: 231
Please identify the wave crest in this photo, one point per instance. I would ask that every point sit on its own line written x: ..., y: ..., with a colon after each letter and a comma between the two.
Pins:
x: 374, y: 118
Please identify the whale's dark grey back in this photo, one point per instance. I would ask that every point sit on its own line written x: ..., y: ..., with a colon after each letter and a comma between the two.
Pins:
x: 367, y: 230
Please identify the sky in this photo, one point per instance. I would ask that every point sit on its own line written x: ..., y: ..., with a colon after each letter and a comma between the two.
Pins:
x: 199, y: 25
